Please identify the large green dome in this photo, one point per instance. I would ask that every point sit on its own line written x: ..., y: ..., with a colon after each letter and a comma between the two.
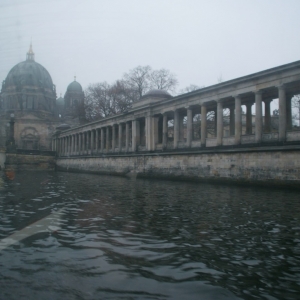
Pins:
x: 28, y: 86
x: 28, y: 73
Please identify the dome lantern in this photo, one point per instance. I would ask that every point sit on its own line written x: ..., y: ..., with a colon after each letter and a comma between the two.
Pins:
x: 30, y: 53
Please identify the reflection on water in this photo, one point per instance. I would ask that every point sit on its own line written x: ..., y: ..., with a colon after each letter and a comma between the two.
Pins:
x: 138, y: 239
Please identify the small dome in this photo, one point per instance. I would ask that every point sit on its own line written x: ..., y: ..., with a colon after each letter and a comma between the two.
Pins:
x: 60, y: 100
x: 74, y: 87
x: 158, y: 93
x: 63, y: 127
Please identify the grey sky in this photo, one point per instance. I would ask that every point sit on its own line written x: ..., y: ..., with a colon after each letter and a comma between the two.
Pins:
x: 199, y: 41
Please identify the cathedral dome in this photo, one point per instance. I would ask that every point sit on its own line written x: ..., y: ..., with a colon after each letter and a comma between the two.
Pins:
x: 27, y: 74
x: 28, y: 86
x: 74, y: 87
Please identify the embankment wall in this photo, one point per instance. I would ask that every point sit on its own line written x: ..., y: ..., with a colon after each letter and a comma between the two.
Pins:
x: 29, y: 162
x: 2, y: 158
x: 264, y: 166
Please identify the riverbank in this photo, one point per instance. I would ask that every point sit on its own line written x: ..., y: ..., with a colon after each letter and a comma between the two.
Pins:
x: 278, y: 166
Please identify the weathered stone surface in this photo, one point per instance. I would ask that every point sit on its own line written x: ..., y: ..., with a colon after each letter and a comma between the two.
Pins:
x: 261, y: 167
x: 29, y: 162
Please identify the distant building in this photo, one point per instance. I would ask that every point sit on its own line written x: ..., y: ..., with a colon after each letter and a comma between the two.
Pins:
x: 28, y: 101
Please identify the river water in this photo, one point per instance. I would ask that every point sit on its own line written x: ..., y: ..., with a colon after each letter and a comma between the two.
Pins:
x: 124, y: 238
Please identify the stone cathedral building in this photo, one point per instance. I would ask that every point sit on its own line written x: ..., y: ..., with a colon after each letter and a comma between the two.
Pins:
x: 28, y: 105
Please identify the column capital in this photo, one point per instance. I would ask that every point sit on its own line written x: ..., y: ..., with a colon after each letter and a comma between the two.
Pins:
x: 281, y: 87
x: 249, y: 104
x: 258, y: 92
x: 237, y: 96
x: 268, y: 101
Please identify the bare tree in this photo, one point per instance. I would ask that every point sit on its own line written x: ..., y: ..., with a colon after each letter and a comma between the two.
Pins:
x: 191, y: 88
x: 122, y: 96
x: 103, y: 100
x: 163, y: 80
x: 142, y: 79
x: 97, y: 101
x: 138, y: 79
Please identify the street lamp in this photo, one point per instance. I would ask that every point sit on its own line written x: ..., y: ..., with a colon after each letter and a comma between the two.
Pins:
x: 11, y: 128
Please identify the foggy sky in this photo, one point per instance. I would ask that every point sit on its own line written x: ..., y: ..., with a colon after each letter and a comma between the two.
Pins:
x: 100, y: 40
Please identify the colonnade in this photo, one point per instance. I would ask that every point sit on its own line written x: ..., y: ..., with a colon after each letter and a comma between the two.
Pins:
x: 174, y: 128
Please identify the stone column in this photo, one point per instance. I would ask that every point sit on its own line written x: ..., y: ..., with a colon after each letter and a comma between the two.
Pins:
x: 92, y: 141
x: 181, y: 128
x: 57, y: 146
x: 258, y: 117
x: 61, y: 146
x: 76, y: 143
x: 282, y: 113
x: 149, y: 133
x: 107, y: 139
x: 219, y: 123
x: 154, y: 132
x: 138, y: 134
x: 72, y: 144
x: 238, y: 120
x: 68, y: 145
x: 267, y: 115
x: 88, y: 141
x: 189, y: 127
x: 203, y: 125
x: 113, y: 140
x: 231, y: 121
x: 127, y: 136
x: 289, y: 122
x: 97, y: 140
x: 165, y: 131
x: 176, y: 128
x: 79, y: 143
x: 102, y: 139
x: 248, y: 118
x: 120, y: 137
x: 84, y: 142
x: 134, y: 135
x: 65, y: 146
x: 216, y: 121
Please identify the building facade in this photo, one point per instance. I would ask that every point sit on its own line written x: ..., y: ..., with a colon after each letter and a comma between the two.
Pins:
x: 146, y: 126
x: 29, y: 111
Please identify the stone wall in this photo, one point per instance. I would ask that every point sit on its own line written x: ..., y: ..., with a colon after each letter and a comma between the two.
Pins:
x: 29, y: 162
x: 280, y: 167
x: 2, y: 158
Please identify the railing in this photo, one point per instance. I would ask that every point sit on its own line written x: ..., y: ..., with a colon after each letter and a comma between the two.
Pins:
x: 291, y: 136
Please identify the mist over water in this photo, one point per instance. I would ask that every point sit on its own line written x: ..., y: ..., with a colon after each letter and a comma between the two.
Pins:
x: 122, y: 238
